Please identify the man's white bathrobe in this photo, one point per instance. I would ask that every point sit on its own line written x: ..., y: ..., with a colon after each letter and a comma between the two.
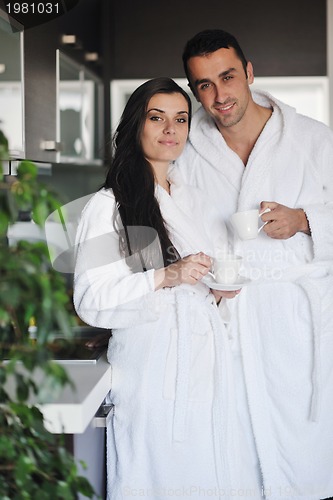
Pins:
x: 282, y: 324
x: 178, y: 426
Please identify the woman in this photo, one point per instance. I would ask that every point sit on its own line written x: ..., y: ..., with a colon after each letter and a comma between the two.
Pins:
x: 145, y: 242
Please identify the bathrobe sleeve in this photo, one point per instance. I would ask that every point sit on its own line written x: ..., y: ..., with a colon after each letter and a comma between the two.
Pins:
x: 107, y: 294
x: 320, y: 214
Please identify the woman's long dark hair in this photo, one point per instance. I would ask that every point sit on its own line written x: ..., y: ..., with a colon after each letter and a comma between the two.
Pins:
x: 131, y: 176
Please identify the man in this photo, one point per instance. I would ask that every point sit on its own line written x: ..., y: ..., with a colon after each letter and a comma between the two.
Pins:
x: 248, y: 150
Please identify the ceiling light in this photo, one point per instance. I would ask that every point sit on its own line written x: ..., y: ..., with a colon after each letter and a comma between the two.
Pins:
x: 91, y: 56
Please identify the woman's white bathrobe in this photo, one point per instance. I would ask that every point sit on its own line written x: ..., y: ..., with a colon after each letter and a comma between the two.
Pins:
x: 282, y: 324
x: 176, y: 430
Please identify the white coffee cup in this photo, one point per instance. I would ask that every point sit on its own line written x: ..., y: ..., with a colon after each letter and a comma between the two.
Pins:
x: 226, y: 268
x: 246, y: 223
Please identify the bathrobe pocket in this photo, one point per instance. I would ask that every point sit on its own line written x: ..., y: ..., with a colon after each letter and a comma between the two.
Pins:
x: 200, y: 354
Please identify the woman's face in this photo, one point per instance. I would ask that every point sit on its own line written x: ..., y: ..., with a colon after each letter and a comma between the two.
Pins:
x: 165, y: 128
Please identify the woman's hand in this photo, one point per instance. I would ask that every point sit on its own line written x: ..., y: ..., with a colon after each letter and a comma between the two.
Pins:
x: 190, y: 270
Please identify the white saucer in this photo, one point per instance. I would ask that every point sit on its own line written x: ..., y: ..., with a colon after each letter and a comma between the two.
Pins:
x: 228, y: 287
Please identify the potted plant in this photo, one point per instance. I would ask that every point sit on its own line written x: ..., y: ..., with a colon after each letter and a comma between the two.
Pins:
x: 33, y: 301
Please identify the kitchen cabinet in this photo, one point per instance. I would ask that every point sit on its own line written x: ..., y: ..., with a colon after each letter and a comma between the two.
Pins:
x: 37, y: 112
x: 63, y: 104
x: 73, y: 410
x: 11, y: 85
x: 79, y: 112
x: 79, y: 412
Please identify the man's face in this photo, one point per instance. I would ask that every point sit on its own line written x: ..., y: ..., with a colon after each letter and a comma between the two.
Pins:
x: 220, y: 84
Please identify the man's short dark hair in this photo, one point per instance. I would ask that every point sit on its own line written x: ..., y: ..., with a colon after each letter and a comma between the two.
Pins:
x: 209, y: 41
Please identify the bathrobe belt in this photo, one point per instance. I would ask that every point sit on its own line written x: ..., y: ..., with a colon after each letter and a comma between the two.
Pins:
x: 222, y: 410
x: 184, y: 301
x: 305, y: 277
x: 315, y: 308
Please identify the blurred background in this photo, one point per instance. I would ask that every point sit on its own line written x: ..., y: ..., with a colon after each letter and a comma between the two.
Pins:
x: 64, y: 81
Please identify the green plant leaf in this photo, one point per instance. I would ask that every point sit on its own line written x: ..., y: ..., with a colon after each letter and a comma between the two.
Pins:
x: 34, y: 463
x: 27, y: 170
